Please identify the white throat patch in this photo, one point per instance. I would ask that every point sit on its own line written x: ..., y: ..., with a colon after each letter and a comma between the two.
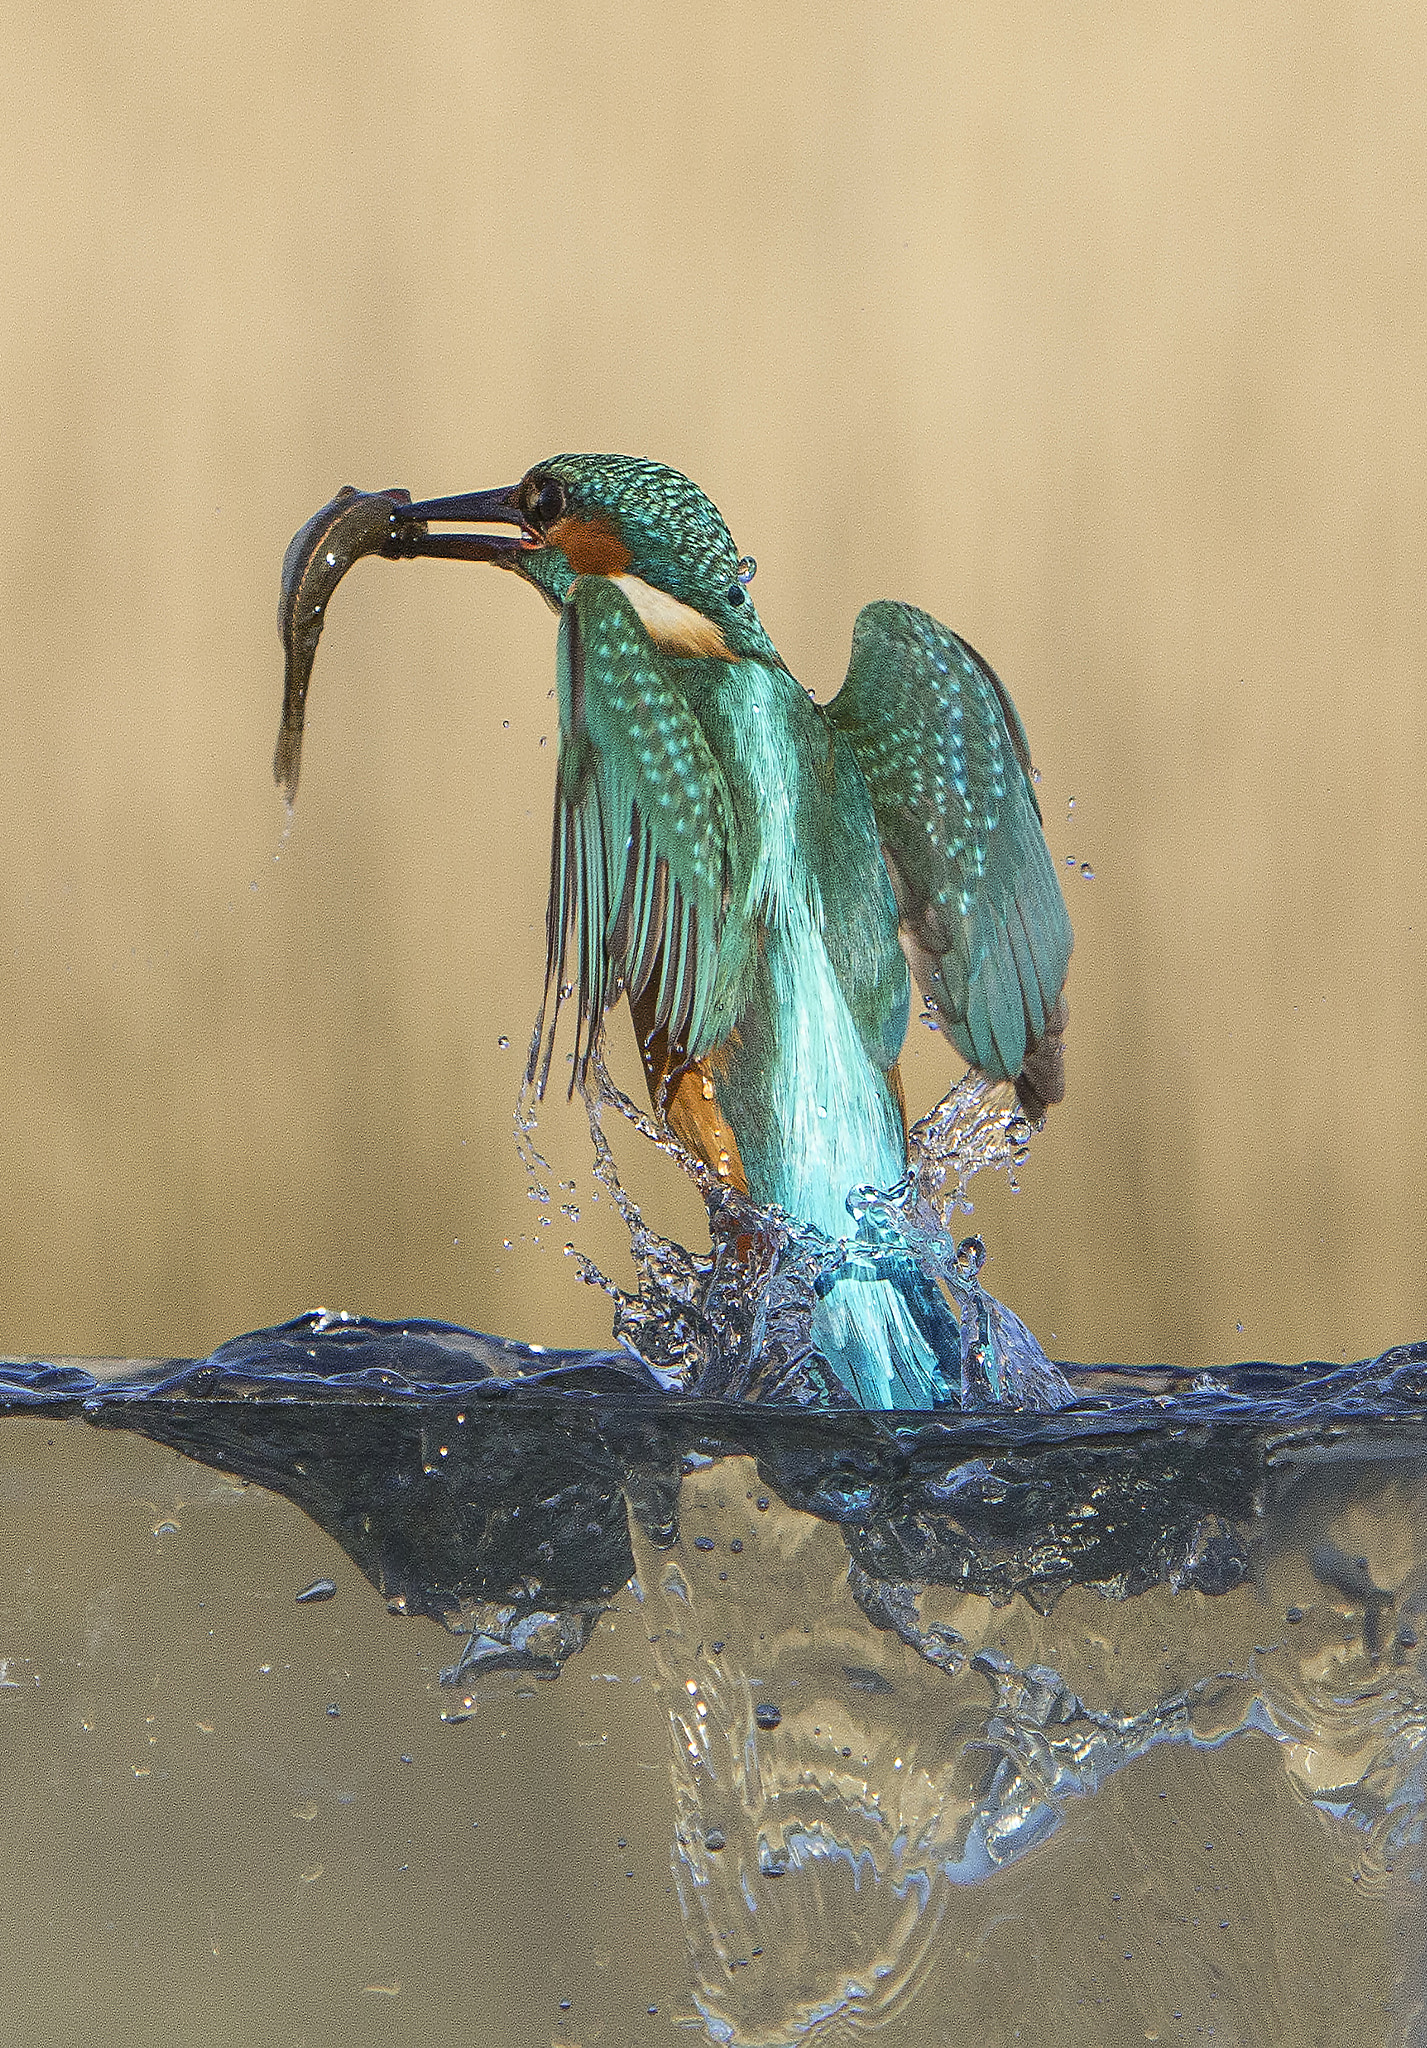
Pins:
x: 671, y: 624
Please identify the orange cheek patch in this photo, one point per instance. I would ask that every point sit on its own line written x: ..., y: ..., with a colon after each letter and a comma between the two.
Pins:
x: 590, y: 546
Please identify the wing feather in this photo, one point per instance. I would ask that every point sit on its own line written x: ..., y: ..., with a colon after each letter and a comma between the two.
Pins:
x: 947, y: 763
x: 643, y: 838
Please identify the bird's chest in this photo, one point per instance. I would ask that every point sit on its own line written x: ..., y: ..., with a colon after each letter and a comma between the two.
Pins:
x: 808, y: 876
x: 771, y: 745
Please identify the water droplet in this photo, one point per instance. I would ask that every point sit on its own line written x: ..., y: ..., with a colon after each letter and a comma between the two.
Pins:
x: 503, y: 1042
x: 715, y: 1839
x: 320, y: 1589
x: 1070, y: 804
x: 708, y: 1089
x: 747, y: 569
x: 506, y: 723
x: 1070, y: 860
x: 703, y: 1543
x: 543, y: 738
x: 334, y: 1710
x: 970, y: 1257
x: 1086, y: 871
x: 736, y: 1546
x: 767, y: 1715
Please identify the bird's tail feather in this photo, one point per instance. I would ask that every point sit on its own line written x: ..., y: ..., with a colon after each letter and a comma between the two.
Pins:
x: 892, y: 1344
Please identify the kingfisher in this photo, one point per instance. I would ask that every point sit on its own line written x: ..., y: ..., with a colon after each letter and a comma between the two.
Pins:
x: 759, y: 876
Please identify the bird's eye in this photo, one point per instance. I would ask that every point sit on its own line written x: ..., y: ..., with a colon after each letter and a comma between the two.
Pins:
x: 544, y: 502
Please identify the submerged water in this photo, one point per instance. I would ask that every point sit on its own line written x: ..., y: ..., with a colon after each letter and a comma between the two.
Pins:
x: 389, y: 1682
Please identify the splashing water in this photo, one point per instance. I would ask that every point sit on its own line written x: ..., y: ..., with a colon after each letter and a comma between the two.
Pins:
x: 735, y: 1322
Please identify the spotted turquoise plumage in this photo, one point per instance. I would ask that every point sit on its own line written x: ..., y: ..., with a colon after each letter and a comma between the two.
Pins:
x: 643, y: 839
x: 949, y: 769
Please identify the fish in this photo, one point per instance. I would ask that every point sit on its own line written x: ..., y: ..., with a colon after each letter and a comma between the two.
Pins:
x: 354, y: 524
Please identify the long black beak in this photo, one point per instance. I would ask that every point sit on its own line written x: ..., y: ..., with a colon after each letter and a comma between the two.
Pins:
x: 409, y: 536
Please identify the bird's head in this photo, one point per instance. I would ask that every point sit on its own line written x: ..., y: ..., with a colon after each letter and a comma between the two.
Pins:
x: 605, y: 515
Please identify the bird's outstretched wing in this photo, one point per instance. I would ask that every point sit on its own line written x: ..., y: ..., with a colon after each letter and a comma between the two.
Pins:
x: 643, y: 837
x: 945, y: 757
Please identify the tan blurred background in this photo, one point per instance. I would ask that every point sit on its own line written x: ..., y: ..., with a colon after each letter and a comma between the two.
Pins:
x: 1098, y: 331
